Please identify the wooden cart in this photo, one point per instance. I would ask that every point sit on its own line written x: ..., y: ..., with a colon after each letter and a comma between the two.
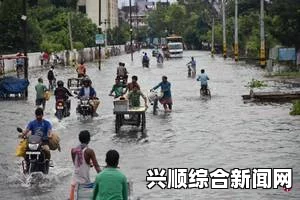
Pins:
x: 133, y: 116
x: 74, y: 84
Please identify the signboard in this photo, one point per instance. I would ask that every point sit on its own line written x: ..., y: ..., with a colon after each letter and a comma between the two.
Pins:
x: 99, y: 39
x: 286, y: 54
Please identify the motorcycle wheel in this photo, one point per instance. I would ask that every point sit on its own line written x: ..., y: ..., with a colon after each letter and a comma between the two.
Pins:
x: 59, y: 114
x: 32, y: 167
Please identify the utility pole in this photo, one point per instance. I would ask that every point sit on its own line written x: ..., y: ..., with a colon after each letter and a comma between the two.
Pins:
x: 130, y: 16
x: 105, y: 22
x: 99, y: 31
x: 262, y: 36
x: 24, y: 18
x: 70, y: 31
x: 236, y: 46
x: 224, y: 30
x: 213, y: 37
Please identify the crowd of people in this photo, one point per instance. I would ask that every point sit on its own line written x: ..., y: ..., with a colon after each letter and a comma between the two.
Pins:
x: 110, y: 183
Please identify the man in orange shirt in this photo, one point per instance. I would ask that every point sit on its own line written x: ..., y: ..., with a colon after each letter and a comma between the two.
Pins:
x: 81, y: 70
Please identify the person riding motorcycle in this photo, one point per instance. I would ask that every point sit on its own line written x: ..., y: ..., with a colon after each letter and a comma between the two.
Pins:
x: 81, y: 70
x: 89, y: 92
x: 40, y: 127
x: 122, y: 72
x: 160, y: 58
x: 63, y: 93
x: 145, y: 61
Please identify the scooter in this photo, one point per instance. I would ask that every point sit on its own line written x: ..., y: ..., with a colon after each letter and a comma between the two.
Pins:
x: 35, y: 160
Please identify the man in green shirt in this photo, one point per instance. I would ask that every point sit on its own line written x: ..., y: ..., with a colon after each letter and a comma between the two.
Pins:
x: 40, y: 89
x: 134, y: 97
x: 111, y: 183
x: 117, y: 88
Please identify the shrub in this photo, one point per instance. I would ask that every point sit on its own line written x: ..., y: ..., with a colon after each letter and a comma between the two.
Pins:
x: 295, y: 108
x: 256, y: 84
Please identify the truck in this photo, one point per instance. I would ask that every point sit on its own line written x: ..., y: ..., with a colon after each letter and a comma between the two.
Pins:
x: 174, y: 46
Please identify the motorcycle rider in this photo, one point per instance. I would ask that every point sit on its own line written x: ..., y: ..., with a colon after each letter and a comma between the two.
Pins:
x: 122, y: 72
x: 81, y: 70
x: 40, y: 127
x: 51, y: 77
x: 63, y: 93
x: 160, y: 58
x: 145, y: 60
x: 89, y: 92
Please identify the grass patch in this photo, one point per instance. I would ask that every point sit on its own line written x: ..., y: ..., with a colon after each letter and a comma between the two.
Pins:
x: 256, y: 84
x: 296, y: 108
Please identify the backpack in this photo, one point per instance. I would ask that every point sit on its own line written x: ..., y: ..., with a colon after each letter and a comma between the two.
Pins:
x: 50, y: 75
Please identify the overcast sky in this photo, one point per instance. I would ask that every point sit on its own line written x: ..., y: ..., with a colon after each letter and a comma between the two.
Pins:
x: 126, y: 2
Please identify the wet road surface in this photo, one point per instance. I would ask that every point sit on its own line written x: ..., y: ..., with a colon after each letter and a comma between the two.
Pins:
x: 222, y: 132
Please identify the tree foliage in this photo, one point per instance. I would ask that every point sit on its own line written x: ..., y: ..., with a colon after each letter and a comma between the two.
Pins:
x: 193, y: 20
x: 47, y: 26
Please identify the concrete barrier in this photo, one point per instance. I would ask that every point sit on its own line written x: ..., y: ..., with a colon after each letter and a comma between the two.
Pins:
x: 87, y: 55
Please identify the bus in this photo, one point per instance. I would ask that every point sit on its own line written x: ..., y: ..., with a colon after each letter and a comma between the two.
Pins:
x: 174, y: 46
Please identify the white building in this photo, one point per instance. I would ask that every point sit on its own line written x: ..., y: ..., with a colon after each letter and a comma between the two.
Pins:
x: 109, y: 12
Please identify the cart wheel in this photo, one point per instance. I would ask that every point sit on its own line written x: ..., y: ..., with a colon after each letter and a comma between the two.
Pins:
x: 143, y: 123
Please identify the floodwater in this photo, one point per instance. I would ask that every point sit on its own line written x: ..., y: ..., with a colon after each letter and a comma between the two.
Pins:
x: 223, y: 132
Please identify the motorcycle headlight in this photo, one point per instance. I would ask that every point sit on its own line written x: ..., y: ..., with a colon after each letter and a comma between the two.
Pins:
x: 33, y: 146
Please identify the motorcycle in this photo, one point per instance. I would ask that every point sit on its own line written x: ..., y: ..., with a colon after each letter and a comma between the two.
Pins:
x: 35, y: 159
x: 62, y: 108
x: 84, y: 107
x: 160, y: 59
x: 123, y: 79
x: 145, y: 63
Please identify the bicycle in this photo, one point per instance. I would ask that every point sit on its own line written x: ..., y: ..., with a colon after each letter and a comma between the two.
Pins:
x: 153, y: 97
x: 205, y: 92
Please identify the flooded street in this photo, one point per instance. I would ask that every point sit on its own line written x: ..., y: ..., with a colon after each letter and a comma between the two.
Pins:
x: 222, y: 132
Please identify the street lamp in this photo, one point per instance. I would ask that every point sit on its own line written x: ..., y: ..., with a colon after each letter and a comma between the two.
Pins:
x: 99, y: 31
x: 130, y: 14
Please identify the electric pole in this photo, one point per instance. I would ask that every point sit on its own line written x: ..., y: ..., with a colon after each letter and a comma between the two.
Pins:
x: 213, y: 37
x: 224, y: 30
x: 24, y: 18
x: 99, y: 31
x: 130, y: 16
x: 262, y: 36
x: 236, y: 46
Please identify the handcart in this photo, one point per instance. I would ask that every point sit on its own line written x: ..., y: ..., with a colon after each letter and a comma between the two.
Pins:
x: 125, y: 115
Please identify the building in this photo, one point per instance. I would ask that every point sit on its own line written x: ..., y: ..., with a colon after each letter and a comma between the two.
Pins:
x: 109, y: 12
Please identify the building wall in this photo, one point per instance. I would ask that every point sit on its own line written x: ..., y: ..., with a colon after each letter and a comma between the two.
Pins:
x: 109, y: 12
